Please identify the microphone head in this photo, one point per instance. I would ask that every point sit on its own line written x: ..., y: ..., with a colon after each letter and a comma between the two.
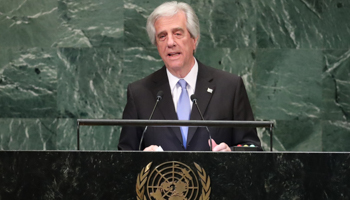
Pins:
x: 160, y: 95
x: 193, y: 98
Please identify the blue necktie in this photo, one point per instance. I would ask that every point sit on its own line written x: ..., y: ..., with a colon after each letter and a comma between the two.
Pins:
x: 183, y: 109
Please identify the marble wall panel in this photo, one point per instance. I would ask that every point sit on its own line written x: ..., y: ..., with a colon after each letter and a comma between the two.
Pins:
x: 89, y: 86
x: 298, y: 135
x: 288, y: 84
x: 32, y: 23
x: 99, y: 137
x: 28, y: 133
x: 336, y: 136
x: 335, y: 24
x: 62, y: 59
x: 139, y: 62
x: 294, y: 135
x: 90, y: 23
x: 135, y: 18
x: 303, y: 24
x: 28, y: 82
x: 336, y: 85
x: 226, y: 23
x: 67, y: 134
x: 289, y: 24
x: 90, y: 137
x: 89, y: 83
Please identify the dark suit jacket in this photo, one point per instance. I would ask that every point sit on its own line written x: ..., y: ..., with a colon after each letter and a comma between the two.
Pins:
x: 228, y: 101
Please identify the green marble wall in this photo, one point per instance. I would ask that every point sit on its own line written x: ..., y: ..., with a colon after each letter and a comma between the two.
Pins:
x: 66, y: 59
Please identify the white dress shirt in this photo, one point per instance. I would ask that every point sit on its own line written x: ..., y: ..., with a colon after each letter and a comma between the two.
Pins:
x: 191, y: 80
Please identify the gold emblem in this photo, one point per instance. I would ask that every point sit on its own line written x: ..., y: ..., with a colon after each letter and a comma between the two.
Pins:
x: 172, y: 181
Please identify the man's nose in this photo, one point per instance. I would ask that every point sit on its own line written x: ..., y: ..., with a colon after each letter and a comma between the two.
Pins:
x: 171, y: 41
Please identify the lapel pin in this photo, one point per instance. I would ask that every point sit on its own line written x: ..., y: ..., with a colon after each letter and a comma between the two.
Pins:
x: 210, y: 90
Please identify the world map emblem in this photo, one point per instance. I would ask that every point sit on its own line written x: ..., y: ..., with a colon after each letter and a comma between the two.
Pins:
x: 172, y: 180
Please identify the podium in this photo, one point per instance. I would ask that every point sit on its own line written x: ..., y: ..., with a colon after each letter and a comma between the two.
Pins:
x: 129, y: 175
x: 115, y: 175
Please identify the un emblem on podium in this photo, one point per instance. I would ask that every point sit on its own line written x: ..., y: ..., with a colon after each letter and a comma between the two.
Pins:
x: 172, y: 181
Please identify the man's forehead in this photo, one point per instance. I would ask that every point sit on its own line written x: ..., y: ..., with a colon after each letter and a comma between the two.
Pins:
x: 162, y: 26
x: 172, y: 30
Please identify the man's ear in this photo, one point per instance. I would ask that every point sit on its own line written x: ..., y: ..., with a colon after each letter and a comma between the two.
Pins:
x: 195, y: 41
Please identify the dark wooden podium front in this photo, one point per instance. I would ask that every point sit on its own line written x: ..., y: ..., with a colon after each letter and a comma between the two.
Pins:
x: 114, y: 175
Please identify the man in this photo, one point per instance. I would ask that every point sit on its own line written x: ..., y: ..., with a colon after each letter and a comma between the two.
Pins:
x: 174, y: 28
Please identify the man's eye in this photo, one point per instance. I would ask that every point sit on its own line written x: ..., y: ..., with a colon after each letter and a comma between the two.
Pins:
x: 161, y: 37
x: 178, y: 34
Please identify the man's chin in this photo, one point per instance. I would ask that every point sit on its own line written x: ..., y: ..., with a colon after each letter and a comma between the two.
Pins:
x: 174, y: 65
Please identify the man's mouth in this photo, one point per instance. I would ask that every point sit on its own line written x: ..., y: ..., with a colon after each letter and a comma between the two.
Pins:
x: 174, y: 54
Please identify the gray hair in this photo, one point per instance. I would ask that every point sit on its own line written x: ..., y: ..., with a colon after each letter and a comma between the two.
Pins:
x: 170, y: 9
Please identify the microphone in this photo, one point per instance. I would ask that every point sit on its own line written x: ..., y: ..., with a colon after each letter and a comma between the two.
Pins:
x: 194, y: 100
x: 159, y: 97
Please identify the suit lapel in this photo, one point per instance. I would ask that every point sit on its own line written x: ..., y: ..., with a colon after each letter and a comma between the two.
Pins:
x: 204, y: 91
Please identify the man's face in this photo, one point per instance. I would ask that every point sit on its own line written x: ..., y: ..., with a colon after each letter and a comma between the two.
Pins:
x: 174, y: 44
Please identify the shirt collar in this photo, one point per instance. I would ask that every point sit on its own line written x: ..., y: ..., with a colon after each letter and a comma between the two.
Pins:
x: 191, y: 77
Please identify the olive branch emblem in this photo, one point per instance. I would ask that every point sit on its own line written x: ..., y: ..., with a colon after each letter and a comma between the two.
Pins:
x: 205, y: 183
x: 141, y: 180
x: 143, y: 176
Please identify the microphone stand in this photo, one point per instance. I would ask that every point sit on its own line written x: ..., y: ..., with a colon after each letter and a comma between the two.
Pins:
x: 159, y: 97
x: 194, y: 100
